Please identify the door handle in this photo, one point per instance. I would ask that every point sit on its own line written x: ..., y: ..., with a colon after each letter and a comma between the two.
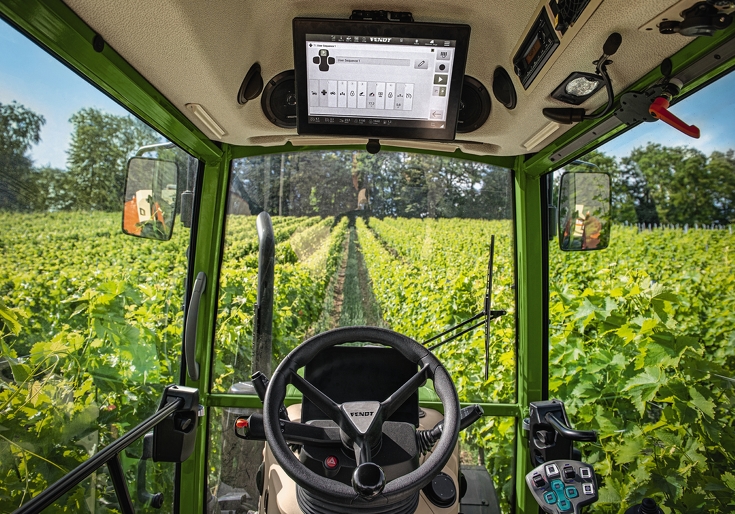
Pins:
x: 190, y: 331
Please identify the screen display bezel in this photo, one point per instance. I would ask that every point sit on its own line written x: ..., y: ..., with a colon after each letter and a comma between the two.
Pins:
x: 456, y: 32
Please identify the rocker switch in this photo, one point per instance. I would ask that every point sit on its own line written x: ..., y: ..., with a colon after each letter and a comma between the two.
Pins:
x: 538, y: 480
x: 569, y: 473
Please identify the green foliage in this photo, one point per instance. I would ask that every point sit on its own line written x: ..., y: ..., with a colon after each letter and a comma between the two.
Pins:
x: 641, y: 350
x: 300, y: 284
x: 91, y: 329
x: 429, y: 275
x: 642, y: 357
x: 672, y: 185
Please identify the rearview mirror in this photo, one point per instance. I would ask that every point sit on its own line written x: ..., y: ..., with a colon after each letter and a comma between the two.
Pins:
x: 151, y: 188
x: 584, y: 211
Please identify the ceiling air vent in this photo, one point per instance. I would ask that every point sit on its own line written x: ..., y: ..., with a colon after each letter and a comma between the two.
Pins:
x: 567, y: 12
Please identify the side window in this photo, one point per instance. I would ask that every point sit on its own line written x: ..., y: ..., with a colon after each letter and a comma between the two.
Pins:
x: 90, y: 319
x: 395, y: 240
x: 641, y: 334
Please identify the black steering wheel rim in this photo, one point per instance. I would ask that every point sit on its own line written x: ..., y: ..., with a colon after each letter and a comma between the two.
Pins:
x: 337, y: 492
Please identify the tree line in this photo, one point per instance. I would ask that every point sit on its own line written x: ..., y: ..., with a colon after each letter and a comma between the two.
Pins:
x: 94, y: 178
x: 331, y: 182
x: 657, y: 185
x: 653, y: 185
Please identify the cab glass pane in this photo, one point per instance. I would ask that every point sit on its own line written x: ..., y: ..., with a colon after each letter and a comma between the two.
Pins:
x: 396, y: 240
x: 642, y: 333
x: 90, y: 319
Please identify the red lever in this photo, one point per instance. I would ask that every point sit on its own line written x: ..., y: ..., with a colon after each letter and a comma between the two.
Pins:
x: 659, y: 109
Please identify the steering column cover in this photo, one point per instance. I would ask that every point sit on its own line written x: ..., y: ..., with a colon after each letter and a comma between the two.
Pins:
x: 336, y: 492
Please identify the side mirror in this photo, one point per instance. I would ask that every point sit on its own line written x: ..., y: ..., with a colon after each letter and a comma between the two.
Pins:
x: 584, y: 211
x: 151, y: 188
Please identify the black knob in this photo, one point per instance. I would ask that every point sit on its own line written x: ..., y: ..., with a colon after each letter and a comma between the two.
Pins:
x: 612, y: 44
x: 647, y: 506
x: 441, y: 491
x: 368, y: 479
x: 157, y: 500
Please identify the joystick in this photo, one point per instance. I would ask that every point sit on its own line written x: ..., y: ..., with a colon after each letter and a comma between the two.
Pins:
x: 563, y: 486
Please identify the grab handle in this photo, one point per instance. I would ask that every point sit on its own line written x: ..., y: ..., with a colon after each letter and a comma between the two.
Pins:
x: 190, y: 333
x: 565, y: 431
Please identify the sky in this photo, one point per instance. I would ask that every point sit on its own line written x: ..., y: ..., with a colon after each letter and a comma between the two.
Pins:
x: 36, y: 80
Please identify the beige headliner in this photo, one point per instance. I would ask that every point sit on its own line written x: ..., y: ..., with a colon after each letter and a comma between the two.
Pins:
x: 199, y: 52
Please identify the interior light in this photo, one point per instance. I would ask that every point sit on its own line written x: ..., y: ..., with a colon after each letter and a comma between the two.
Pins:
x: 203, y: 116
x: 578, y: 87
x: 581, y: 86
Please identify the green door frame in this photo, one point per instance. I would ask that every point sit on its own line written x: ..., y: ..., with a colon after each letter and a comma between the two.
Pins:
x: 57, y: 28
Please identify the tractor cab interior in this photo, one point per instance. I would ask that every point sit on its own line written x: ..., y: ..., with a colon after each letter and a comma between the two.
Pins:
x: 431, y: 257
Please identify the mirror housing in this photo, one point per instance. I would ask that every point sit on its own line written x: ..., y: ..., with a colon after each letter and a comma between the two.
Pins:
x: 584, y: 214
x: 151, y: 190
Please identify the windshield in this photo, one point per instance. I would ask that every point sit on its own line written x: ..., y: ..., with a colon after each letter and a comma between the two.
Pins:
x: 642, y: 333
x: 396, y: 240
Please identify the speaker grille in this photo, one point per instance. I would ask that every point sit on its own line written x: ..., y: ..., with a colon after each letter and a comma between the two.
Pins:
x: 474, y: 107
x: 279, y: 100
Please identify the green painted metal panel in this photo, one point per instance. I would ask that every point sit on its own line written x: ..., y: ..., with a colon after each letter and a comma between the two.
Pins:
x: 530, y: 305
x: 253, y: 402
x: 60, y: 30
x: 210, y: 225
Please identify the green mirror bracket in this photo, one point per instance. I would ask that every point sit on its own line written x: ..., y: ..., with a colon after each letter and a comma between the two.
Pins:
x: 704, y: 51
x: 57, y: 28
x: 530, y: 304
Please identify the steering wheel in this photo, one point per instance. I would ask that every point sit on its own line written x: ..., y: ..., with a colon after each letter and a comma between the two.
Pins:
x: 362, y: 432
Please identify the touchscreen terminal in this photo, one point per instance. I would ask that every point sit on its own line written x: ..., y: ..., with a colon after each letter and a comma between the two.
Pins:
x: 379, y: 79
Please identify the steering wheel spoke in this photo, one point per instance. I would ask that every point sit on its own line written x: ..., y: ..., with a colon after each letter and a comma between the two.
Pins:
x: 321, y: 400
x: 394, y: 401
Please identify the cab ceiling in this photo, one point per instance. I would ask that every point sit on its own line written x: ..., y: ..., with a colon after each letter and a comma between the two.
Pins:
x: 199, y: 52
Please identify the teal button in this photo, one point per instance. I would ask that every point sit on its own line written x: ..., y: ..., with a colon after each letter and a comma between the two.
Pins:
x: 565, y: 504
x: 558, y: 486
x: 550, y: 498
x: 572, y: 492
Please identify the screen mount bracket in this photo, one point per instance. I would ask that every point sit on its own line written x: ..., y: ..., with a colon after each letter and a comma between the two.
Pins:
x: 403, y: 17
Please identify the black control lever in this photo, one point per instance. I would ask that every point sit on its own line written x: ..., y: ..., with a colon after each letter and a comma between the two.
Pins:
x: 550, y: 436
x: 260, y: 383
x: 427, y: 438
x: 565, y: 431
x: 251, y: 429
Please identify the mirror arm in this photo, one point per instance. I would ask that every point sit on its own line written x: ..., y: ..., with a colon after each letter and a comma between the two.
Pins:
x: 152, y: 148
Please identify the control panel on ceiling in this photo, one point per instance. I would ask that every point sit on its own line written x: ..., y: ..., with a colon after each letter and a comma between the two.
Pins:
x: 553, y: 26
x: 379, y: 79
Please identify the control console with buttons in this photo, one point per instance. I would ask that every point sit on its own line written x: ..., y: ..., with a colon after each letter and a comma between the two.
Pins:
x: 563, y: 486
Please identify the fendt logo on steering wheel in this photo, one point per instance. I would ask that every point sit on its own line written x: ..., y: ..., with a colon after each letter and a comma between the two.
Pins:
x: 368, y: 413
